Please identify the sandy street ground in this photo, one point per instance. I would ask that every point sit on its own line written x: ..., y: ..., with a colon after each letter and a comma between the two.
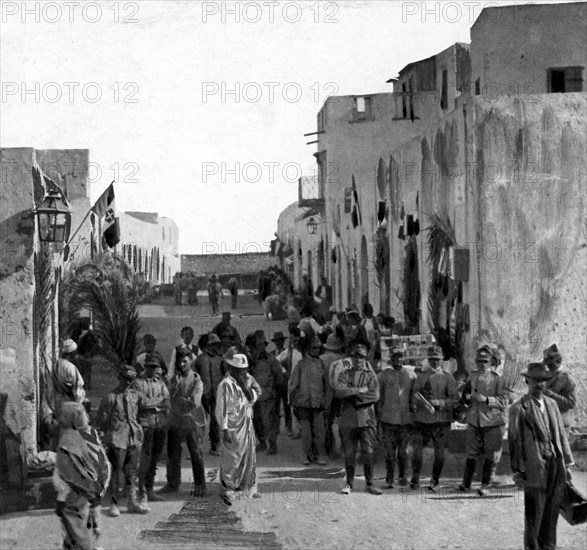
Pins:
x: 307, y: 512
x: 303, y: 506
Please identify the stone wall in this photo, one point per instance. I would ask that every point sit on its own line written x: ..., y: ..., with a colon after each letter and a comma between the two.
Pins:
x: 223, y: 264
x: 510, y: 177
x: 512, y: 47
x: 17, y: 375
x: 156, y: 237
x: 29, y: 332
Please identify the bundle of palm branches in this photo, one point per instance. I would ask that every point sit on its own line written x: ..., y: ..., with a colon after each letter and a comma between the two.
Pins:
x: 105, y: 286
x: 441, y: 236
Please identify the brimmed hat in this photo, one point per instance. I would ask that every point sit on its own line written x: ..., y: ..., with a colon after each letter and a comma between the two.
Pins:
x: 152, y: 360
x: 353, y: 313
x: 213, y: 339
x: 360, y: 342
x: 260, y: 337
x: 396, y: 350
x: 128, y: 372
x: 69, y: 346
x: 333, y: 343
x: 238, y: 360
x: 537, y: 371
x: 278, y: 337
x: 485, y: 349
x: 552, y: 353
x: 434, y: 352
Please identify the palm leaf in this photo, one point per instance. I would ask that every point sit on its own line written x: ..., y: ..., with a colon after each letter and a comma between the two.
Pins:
x: 107, y: 287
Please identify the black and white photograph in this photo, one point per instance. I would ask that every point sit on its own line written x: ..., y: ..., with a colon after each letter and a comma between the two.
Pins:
x: 293, y: 275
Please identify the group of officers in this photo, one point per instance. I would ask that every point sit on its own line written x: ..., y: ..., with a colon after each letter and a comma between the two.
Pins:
x: 333, y: 383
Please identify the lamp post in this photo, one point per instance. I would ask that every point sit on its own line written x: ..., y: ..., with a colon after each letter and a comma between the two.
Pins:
x: 312, y: 226
x: 54, y: 218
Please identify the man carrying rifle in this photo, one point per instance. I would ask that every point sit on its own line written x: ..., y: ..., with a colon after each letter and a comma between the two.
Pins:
x: 435, y: 394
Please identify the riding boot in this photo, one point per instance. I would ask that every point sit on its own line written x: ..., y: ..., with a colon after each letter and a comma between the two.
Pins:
x: 469, y: 472
x: 486, y: 473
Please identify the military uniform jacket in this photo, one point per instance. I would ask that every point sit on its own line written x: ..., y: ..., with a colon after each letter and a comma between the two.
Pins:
x: 267, y: 372
x: 440, y: 386
x: 211, y: 370
x: 186, y: 402
x: 154, y: 401
x: 563, y: 388
x: 396, y: 388
x: 117, y: 417
x: 357, y: 409
x: 491, y: 412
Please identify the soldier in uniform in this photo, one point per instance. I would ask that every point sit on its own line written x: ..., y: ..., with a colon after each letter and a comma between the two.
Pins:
x: 117, y: 417
x: 435, y: 394
x: 486, y: 398
x: 561, y: 387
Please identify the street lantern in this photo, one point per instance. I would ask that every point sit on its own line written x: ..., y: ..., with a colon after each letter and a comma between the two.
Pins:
x: 312, y: 226
x: 54, y: 218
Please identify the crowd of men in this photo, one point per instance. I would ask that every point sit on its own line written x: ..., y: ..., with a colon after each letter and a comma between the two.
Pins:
x: 338, y: 399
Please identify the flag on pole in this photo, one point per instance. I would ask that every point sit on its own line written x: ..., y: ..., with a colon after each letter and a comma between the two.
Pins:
x: 416, y: 219
x: 356, y: 212
x: 402, y: 232
x: 105, y: 208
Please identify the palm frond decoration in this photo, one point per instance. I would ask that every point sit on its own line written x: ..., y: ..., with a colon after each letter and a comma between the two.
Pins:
x: 108, y: 288
x: 446, y: 329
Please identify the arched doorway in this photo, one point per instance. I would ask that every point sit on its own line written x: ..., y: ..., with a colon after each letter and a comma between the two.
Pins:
x: 364, y: 297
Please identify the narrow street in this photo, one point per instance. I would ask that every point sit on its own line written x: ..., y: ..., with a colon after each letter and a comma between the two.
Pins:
x: 300, y: 507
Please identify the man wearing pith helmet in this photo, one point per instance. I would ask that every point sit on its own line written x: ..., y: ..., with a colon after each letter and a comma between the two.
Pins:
x: 540, y: 458
x: 487, y: 399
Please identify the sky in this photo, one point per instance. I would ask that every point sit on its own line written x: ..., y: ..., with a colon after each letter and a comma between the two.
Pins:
x: 198, y: 110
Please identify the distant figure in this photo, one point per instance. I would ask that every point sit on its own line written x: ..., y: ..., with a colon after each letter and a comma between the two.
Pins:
x: 177, y: 288
x: 214, y: 293
x: 192, y: 289
x: 233, y: 287
x: 224, y: 327
x: 323, y: 296
x: 274, y: 307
